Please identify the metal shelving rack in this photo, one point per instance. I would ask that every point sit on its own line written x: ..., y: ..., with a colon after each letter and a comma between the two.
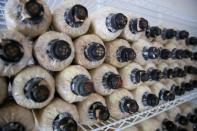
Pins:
x: 154, y: 13
x: 117, y: 125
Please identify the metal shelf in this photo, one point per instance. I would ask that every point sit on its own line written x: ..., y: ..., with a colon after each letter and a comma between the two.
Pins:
x: 114, y: 124
x: 155, y: 13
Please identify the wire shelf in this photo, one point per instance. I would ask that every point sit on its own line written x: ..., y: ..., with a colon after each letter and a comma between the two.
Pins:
x: 153, y: 12
x: 114, y: 124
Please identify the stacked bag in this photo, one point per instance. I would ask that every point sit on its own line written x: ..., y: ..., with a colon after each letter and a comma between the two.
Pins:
x: 70, y: 66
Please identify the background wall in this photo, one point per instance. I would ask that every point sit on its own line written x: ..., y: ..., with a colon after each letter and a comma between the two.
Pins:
x: 185, y: 7
x: 180, y: 14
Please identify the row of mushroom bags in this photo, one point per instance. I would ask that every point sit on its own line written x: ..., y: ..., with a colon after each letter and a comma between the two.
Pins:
x: 182, y: 118
x: 86, y: 67
x: 55, y: 51
x: 113, y: 38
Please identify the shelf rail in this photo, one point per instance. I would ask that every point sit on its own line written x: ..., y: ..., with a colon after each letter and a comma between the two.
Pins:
x: 114, y: 124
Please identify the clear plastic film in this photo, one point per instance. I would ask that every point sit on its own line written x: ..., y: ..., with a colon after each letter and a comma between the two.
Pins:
x: 162, y: 92
x: 169, y: 83
x: 113, y: 103
x: 138, y: 95
x: 87, y: 57
x: 36, y: 80
x: 180, y: 38
x: 165, y: 122
x: 99, y: 27
x: 138, y: 47
x: 30, y: 22
x: 65, y: 23
x: 161, y: 38
x: 98, y: 75
x: 125, y: 73
x: 186, y: 108
x: 157, y: 87
x: 149, y: 67
x: 54, y: 51
x: 152, y: 32
x: 162, y: 66
x: 12, y: 113
x: 64, y: 83
x: 46, y: 117
x: 179, y: 80
x: 148, y: 125
x: 162, y: 116
x: 171, y: 46
x: 173, y: 113
x: 112, y: 53
x: 132, y: 31
x: 22, y: 50
x: 166, y: 71
x: 83, y: 108
x: 132, y: 128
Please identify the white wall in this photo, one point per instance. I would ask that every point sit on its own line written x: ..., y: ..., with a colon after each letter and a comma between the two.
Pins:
x: 181, y: 14
x: 185, y: 7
